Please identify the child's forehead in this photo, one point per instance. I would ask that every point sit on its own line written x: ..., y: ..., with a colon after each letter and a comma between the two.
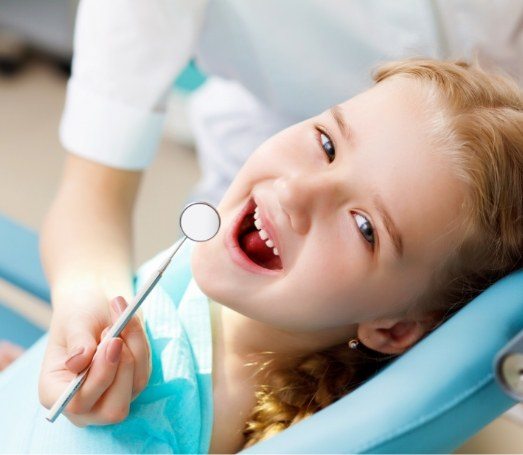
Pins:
x: 391, y: 144
x: 391, y: 112
x: 402, y: 91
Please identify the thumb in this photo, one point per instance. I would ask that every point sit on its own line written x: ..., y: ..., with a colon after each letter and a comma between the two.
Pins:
x: 81, y: 346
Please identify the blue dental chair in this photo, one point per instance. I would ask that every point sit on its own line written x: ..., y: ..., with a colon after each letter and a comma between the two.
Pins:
x: 432, y: 399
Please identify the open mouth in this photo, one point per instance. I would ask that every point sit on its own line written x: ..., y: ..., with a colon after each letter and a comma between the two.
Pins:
x: 255, y: 242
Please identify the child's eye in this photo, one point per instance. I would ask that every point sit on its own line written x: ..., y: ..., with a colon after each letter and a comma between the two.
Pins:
x: 327, y: 146
x: 365, y: 228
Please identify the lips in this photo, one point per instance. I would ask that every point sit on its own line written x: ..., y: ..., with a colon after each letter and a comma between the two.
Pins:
x: 256, y: 257
x: 237, y: 225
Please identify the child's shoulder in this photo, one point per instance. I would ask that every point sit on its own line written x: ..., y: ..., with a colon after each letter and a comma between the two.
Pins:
x: 177, y: 312
x: 178, y: 328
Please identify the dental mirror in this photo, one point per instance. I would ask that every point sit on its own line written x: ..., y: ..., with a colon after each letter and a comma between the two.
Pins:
x: 200, y: 221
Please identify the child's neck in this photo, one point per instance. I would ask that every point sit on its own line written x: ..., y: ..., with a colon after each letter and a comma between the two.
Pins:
x: 233, y: 391
x: 237, y: 343
x: 240, y: 342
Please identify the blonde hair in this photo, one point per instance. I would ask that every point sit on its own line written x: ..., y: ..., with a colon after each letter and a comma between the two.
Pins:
x: 480, y: 128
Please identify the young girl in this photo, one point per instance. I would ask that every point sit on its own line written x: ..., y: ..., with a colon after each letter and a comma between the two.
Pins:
x: 364, y: 227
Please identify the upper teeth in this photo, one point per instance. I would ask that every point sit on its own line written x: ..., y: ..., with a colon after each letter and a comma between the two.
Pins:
x: 262, y: 233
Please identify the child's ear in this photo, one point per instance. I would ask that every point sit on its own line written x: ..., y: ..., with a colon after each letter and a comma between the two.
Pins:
x: 395, y: 335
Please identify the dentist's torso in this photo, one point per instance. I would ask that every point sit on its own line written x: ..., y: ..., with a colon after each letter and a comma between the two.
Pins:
x: 273, y: 63
x: 301, y: 57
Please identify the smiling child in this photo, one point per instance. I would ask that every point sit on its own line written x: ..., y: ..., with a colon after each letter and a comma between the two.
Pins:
x: 365, y: 226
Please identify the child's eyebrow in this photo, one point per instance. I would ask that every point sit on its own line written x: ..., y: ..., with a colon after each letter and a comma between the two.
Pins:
x: 390, y: 227
x: 337, y: 113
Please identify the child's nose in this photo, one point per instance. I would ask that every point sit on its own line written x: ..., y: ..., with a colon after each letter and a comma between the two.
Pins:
x: 304, y: 196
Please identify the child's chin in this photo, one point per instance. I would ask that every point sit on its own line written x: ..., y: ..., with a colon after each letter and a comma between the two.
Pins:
x: 204, y: 272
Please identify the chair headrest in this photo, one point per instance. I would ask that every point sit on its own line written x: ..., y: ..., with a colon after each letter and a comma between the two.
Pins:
x: 432, y: 398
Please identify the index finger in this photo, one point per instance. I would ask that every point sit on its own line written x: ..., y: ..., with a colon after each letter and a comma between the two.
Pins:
x: 136, y: 340
x: 133, y: 325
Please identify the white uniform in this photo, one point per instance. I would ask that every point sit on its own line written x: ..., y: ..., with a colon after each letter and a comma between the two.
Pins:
x: 273, y: 62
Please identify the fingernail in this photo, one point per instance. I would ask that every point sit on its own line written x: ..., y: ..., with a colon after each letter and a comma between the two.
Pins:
x: 118, y: 304
x: 74, y: 353
x: 114, y: 350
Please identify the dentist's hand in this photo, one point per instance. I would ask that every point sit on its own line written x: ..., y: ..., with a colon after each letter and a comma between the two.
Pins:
x: 120, y: 369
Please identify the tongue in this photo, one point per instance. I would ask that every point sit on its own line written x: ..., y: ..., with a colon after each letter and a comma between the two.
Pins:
x: 258, y: 251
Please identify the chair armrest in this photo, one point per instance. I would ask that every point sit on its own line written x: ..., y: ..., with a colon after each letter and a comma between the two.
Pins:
x: 20, y: 259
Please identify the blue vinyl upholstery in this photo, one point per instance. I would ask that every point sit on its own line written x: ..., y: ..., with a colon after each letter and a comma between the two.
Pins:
x: 431, y: 399
x: 20, y: 258
x: 15, y: 328
x: 20, y: 266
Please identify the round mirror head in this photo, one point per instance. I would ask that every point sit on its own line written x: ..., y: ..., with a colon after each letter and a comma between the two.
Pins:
x: 200, y: 221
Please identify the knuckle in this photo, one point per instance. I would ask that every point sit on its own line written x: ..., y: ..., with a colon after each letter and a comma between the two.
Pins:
x: 141, y: 383
x: 134, y: 328
x: 77, y: 408
x: 76, y: 422
x: 102, y: 377
x: 115, y: 415
x: 126, y: 358
x: 44, y: 399
x: 45, y: 402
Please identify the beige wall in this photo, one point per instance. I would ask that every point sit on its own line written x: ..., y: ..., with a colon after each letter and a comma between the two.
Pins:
x: 31, y: 158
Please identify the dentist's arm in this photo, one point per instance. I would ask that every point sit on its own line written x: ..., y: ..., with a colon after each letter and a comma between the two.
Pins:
x: 87, y: 233
x: 86, y: 247
x: 126, y: 56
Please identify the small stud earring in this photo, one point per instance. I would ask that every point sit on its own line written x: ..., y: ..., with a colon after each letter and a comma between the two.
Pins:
x: 353, y: 343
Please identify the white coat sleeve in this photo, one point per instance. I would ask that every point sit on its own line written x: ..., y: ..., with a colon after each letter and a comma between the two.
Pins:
x: 127, y: 54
